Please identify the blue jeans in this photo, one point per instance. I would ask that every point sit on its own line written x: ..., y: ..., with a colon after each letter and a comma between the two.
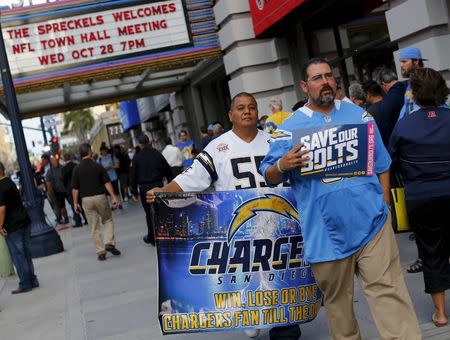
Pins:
x: 19, y: 247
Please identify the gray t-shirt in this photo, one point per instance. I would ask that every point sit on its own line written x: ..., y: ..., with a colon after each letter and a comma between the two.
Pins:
x: 54, y: 176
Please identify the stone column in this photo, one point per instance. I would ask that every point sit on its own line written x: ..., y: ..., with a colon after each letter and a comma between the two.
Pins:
x: 257, y: 66
x: 424, y: 24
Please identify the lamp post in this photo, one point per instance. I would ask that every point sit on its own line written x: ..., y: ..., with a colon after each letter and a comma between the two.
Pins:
x: 44, y: 239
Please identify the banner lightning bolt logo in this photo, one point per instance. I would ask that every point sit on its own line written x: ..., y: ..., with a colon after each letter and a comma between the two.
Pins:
x: 249, y: 209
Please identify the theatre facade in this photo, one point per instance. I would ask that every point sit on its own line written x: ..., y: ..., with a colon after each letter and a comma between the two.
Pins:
x: 183, y: 60
x: 265, y: 42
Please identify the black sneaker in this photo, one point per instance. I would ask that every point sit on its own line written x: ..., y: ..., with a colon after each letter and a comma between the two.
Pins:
x: 113, y: 250
x: 101, y: 257
x: 149, y: 240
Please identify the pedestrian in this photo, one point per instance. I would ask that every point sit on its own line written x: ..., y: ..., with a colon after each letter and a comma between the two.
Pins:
x: 111, y: 164
x: 57, y: 189
x: 44, y: 169
x: 374, y: 97
x: 410, y: 60
x: 277, y: 115
x: 148, y: 171
x: 90, y: 182
x: 206, y: 136
x: 186, y: 145
x: 16, y: 229
x: 356, y: 94
x: 173, y: 156
x: 262, y: 122
x: 340, y: 94
x: 420, y: 146
x: 392, y: 103
x: 123, y: 171
x: 217, y: 130
x: 345, y: 222
x: 220, y: 165
x: 67, y: 171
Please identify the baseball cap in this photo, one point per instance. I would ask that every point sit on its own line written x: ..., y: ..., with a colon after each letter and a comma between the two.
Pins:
x: 210, y: 127
x: 143, y: 139
x: 410, y: 52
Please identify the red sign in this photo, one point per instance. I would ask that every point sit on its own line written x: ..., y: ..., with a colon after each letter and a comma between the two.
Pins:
x: 265, y: 13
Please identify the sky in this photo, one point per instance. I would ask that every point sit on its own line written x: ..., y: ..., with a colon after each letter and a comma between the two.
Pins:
x: 30, y: 135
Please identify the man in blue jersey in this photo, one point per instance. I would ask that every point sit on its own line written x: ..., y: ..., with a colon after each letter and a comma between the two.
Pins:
x: 410, y: 60
x: 345, y: 221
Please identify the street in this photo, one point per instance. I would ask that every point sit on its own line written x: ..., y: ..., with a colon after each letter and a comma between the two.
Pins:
x: 82, y: 298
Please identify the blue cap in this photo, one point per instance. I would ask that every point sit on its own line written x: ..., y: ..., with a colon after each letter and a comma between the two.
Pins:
x: 210, y: 127
x: 411, y: 52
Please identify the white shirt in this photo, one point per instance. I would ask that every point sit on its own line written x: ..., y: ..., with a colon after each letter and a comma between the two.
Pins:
x: 235, y: 163
x: 173, y: 155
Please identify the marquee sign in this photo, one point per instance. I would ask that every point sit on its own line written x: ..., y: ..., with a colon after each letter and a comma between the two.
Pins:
x: 79, y: 37
x: 96, y: 36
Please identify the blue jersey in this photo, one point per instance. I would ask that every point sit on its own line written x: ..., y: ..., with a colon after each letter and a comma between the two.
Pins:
x: 338, y: 216
x: 408, y: 105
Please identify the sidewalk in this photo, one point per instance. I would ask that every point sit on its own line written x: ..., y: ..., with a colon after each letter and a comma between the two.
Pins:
x: 82, y: 298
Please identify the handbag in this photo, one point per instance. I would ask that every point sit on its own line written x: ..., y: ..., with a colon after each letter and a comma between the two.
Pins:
x: 399, y: 214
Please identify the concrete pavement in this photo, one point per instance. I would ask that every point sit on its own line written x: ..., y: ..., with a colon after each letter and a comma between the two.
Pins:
x: 82, y: 298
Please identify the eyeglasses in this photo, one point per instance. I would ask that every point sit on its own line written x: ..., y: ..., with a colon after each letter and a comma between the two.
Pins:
x: 319, y: 77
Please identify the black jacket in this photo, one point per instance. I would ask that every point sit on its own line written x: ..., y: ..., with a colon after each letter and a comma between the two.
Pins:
x: 387, y: 112
x: 149, y: 167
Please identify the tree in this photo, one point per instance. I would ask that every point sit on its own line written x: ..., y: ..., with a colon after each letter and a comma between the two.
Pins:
x: 78, y: 122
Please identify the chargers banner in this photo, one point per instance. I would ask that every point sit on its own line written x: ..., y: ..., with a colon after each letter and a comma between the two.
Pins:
x: 232, y: 260
x: 340, y: 150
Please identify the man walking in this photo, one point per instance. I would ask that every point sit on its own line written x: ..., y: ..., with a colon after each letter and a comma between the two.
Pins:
x: 15, y: 228
x: 392, y: 103
x: 222, y: 164
x: 173, y: 156
x: 67, y: 171
x: 148, y: 171
x: 90, y: 182
x: 123, y: 171
x: 186, y: 146
x: 56, y: 189
x: 345, y: 222
x: 410, y: 60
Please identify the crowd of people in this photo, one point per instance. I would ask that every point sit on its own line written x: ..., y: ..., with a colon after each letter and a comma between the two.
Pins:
x: 344, y: 235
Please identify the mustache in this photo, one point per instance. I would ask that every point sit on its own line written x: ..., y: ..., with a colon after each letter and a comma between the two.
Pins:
x: 326, y: 88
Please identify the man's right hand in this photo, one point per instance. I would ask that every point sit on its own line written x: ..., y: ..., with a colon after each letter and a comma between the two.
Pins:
x: 150, y: 195
x: 77, y: 207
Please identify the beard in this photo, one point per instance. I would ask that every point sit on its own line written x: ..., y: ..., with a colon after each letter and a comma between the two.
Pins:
x: 405, y: 73
x: 324, y: 100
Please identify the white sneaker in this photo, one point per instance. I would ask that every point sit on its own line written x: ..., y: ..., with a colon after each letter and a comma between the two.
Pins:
x: 252, y: 333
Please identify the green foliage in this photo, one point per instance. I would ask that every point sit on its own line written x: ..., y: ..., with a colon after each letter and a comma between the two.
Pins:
x: 79, y: 122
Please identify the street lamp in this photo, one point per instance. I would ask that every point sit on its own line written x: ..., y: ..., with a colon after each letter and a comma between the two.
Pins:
x: 44, y: 239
